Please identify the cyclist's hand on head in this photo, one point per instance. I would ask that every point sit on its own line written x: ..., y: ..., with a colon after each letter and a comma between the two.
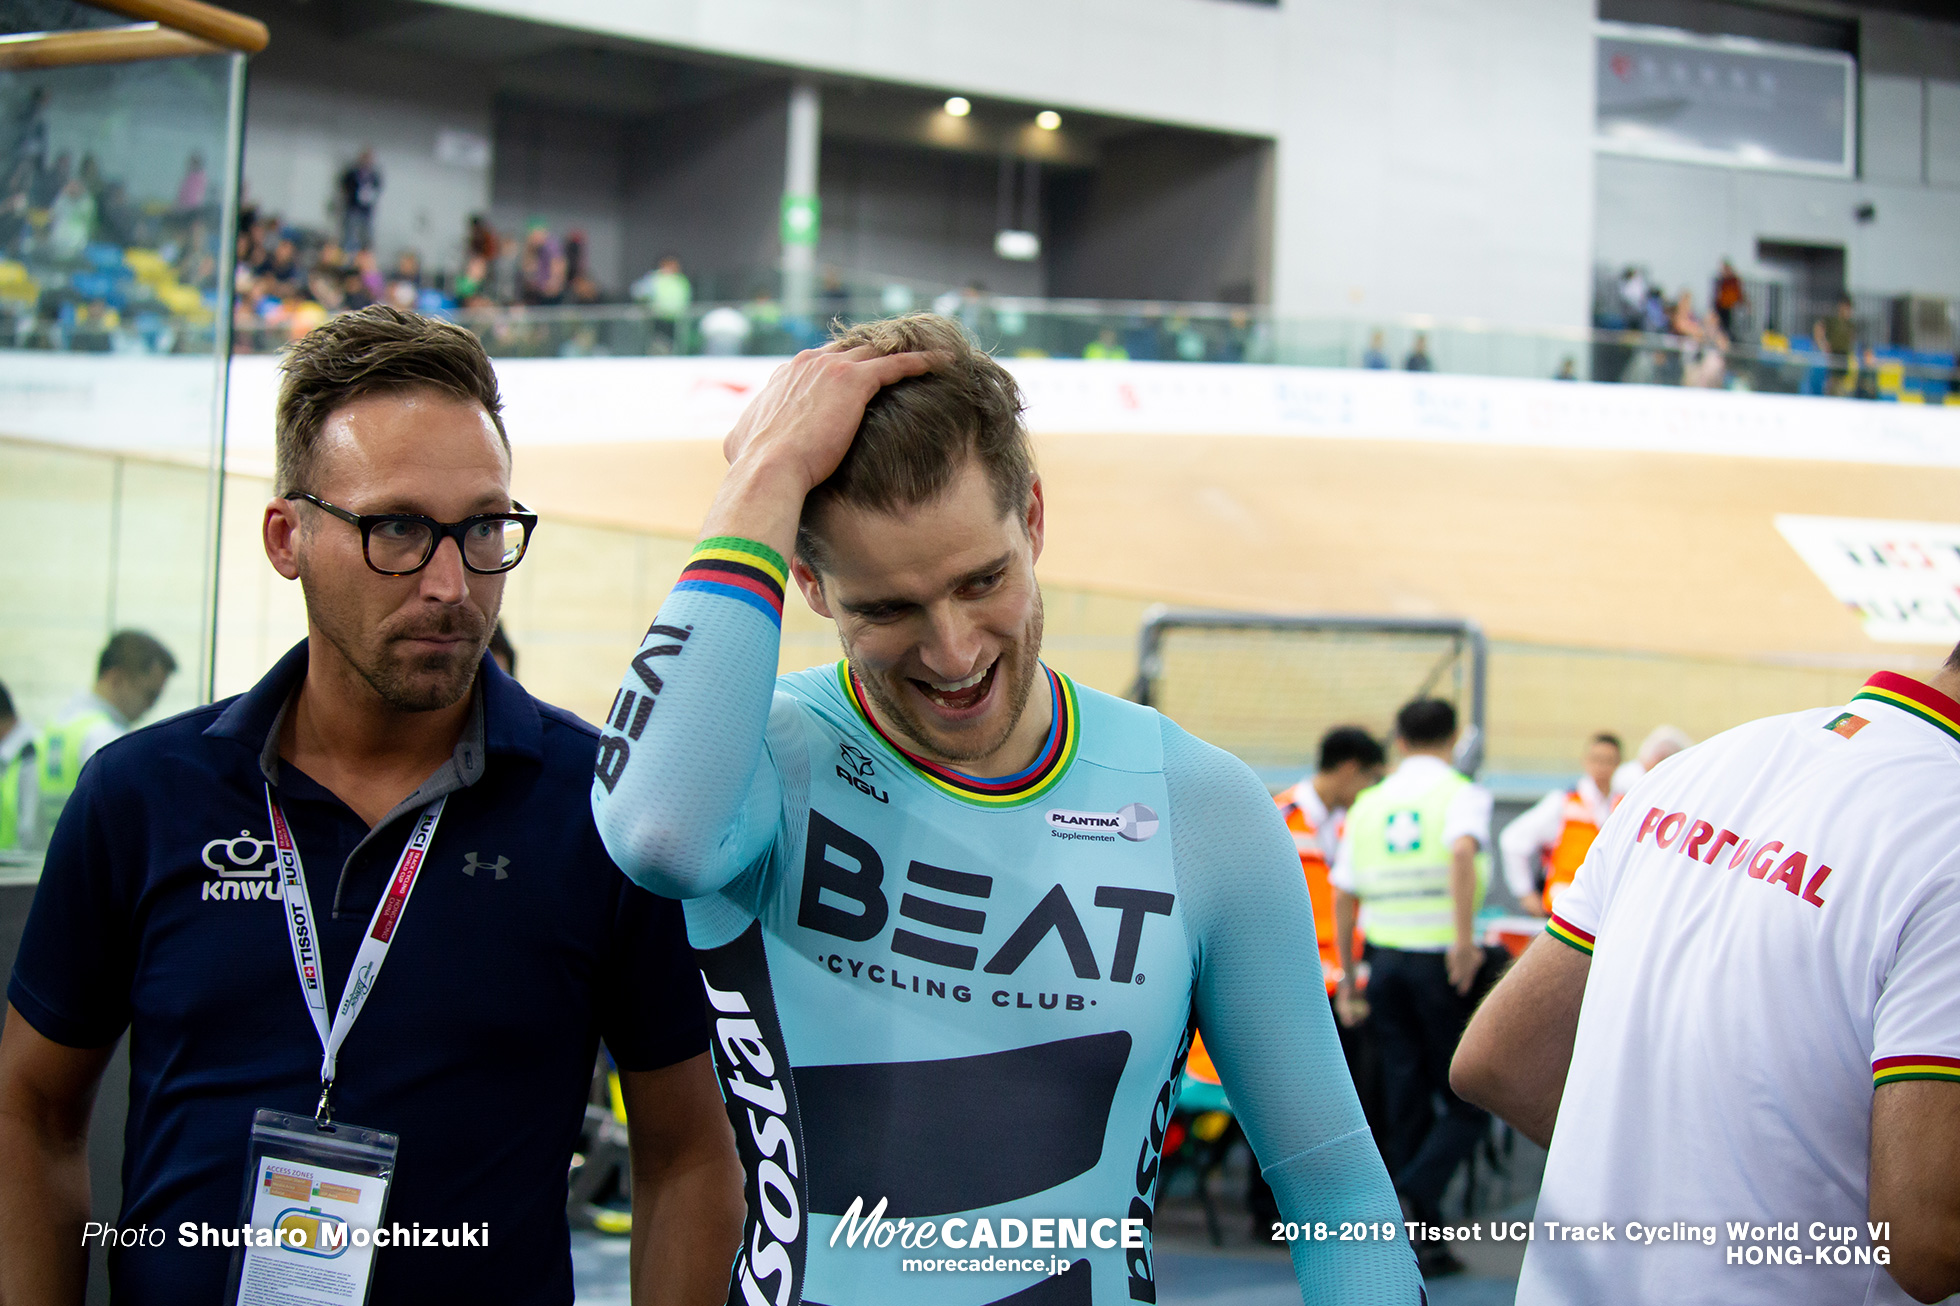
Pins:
x: 802, y: 422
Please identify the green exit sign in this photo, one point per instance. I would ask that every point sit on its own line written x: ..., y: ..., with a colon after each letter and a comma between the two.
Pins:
x: 801, y: 219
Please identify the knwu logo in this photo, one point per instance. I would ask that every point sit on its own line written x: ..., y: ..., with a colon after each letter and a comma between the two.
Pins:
x: 242, y: 874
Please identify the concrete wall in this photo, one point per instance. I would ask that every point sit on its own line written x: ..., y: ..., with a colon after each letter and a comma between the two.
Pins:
x: 706, y: 182
x: 1432, y: 155
x: 566, y: 167
x: 1436, y: 157
x: 312, y: 105
x: 926, y: 215
x: 1168, y: 216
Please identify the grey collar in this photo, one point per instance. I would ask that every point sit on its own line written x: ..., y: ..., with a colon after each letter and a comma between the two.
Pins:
x: 463, y: 768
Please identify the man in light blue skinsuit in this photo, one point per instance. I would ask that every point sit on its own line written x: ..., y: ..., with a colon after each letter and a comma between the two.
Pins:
x: 957, y: 917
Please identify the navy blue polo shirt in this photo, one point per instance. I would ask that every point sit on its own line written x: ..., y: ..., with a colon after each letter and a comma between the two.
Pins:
x: 522, y: 947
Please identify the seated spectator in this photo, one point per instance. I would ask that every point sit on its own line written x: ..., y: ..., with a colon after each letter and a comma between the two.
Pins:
x: 1682, y: 320
x: 541, y: 267
x: 405, y: 283
x: 580, y: 288
x: 191, y: 190
x: 1376, y: 357
x: 354, y: 290
x: 483, y: 241
x: 71, y: 221
x: 1704, y: 360
x: 1105, y: 347
x: 1238, y: 330
x: 724, y: 331
x: 368, y: 269
x: 668, y: 295
x: 472, y: 283
x: 1654, y: 314
x: 1633, y: 293
x: 283, y: 264
x: 1866, y: 386
x: 1418, y: 359
x: 13, y: 208
x: 1728, y: 296
x: 1837, y: 335
x: 331, y: 256
x: 326, y: 286
x: 1187, y: 342
x: 50, y: 181
x: 117, y: 219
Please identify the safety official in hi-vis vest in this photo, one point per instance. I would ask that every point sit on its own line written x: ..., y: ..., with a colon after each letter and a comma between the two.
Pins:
x: 1414, y: 862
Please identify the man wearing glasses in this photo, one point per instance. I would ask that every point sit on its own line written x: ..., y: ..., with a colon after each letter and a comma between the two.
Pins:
x: 228, y: 884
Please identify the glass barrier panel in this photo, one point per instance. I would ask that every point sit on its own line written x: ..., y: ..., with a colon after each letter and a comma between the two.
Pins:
x: 117, y: 207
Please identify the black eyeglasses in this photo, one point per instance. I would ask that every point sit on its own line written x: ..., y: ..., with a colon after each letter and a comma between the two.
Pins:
x: 401, y: 543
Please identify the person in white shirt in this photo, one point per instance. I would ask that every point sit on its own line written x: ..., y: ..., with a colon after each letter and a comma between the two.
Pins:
x: 1661, y: 743
x: 1741, y: 1035
x: 1413, y: 859
x: 1556, y: 831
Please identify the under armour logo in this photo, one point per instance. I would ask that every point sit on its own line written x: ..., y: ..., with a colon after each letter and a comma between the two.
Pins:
x: 1404, y: 832
x: 471, y: 866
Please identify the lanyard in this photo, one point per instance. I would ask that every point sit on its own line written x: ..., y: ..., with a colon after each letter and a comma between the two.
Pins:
x: 375, y: 943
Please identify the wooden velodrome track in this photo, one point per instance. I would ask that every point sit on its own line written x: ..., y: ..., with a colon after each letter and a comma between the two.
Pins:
x: 1621, y: 589
x: 1664, y: 553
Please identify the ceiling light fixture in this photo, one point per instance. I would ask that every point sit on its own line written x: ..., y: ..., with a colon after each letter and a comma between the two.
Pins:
x: 1048, y: 120
x: 958, y: 107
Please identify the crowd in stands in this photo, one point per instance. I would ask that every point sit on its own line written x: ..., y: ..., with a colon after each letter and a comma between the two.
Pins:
x: 290, y: 278
x: 1663, y: 339
x: 87, y: 264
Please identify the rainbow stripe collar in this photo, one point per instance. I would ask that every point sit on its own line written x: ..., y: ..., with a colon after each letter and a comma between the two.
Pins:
x: 1057, y: 751
x: 1908, y: 695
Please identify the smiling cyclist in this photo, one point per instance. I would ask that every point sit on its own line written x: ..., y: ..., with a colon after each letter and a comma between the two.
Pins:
x: 957, y: 916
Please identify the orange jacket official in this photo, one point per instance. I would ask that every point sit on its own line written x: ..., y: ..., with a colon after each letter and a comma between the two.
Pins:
x: 1559, y: 830
x: 1316, y: 831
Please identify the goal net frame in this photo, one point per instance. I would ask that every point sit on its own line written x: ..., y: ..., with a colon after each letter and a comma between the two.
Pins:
x: 1467, y: 636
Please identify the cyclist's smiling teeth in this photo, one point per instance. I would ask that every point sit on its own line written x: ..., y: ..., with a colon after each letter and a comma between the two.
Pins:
x: 959, y: 695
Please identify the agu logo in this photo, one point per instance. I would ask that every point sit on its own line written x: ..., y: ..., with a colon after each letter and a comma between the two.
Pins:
x: 1133, y: 822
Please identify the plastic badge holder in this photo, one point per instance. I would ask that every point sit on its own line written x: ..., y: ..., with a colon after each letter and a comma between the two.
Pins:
x: 313, y: 1199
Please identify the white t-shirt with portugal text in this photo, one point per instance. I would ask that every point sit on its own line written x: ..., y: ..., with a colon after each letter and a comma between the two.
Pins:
x: 1774, y: 923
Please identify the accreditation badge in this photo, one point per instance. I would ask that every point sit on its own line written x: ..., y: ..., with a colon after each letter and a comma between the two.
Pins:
x: 314, y: 1197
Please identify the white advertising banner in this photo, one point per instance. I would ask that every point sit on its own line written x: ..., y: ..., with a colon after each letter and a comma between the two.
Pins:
x: 1901, y: 577
x: 161, y: 406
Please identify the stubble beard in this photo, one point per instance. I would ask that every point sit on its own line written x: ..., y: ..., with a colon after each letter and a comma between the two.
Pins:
x: 1021, y: 659
x: 406, y: 682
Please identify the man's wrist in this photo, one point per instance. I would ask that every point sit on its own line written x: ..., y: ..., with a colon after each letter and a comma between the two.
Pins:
x: 767, y: 476
x: 760, y: 500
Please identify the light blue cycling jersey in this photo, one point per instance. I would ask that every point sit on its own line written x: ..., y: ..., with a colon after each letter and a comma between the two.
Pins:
x: 971, y: 1000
